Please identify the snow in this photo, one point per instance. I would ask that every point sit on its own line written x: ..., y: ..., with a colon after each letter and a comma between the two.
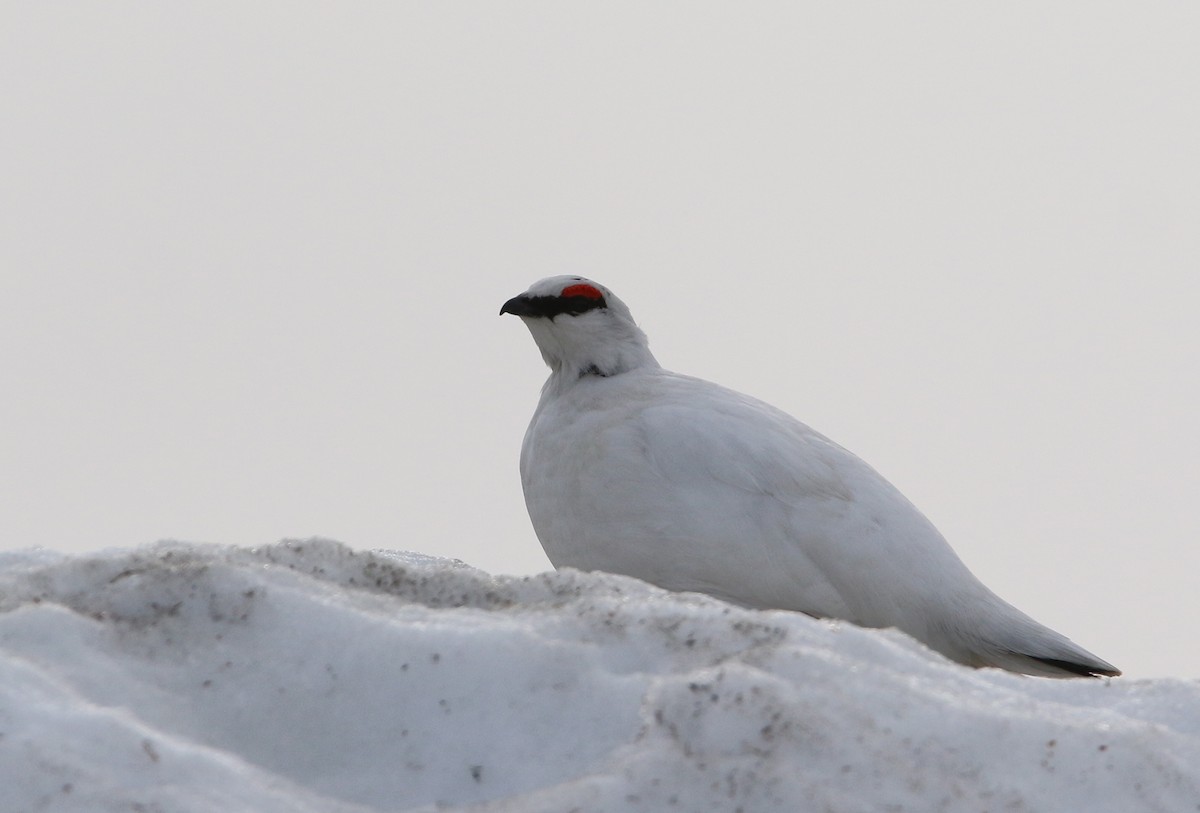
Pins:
x: 305, y: 676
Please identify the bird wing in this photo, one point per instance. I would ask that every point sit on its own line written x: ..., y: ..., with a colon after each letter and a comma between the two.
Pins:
x: 825, y: 521
x: 848, y: 542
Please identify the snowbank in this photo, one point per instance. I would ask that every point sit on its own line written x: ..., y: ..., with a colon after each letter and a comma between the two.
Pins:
x: 307, y: 677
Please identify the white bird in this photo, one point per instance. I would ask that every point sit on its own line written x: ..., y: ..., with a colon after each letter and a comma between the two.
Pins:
x: 629, y: 468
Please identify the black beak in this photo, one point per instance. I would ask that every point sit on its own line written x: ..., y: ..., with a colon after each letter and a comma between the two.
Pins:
x: 517, y: 306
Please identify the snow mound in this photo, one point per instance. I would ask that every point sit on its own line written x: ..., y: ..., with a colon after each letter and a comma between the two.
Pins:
x: 308, y: 677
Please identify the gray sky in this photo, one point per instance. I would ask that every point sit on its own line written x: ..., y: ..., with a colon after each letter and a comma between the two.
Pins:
x: 252, y: 256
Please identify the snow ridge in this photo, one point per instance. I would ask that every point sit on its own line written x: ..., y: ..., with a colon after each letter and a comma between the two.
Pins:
x: 305, y: 676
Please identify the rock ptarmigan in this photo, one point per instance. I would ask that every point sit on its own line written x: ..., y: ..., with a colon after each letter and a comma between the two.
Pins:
x: 629, y: 468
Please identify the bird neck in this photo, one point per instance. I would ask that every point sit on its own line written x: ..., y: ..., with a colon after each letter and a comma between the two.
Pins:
x: 574, y: 358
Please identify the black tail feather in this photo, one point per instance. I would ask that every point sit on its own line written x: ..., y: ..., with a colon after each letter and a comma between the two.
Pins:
x: 1083, y: 670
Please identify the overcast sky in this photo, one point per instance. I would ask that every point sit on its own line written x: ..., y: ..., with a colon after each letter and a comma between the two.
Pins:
x: 253, y: 254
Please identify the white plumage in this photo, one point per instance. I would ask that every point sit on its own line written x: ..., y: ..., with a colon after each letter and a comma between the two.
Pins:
x: 629, y: 468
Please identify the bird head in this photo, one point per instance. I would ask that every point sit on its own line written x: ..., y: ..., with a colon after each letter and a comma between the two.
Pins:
x: 581, y: 328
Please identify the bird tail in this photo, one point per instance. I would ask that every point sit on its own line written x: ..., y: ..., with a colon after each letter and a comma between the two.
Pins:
x: 1023, y: 645
x: 1080, y: 663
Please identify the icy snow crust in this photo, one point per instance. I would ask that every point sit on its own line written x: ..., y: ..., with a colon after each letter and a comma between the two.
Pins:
x: 308, y: 677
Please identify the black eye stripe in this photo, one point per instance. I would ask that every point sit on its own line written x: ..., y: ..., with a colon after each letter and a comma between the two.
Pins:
x: 551, y: 306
